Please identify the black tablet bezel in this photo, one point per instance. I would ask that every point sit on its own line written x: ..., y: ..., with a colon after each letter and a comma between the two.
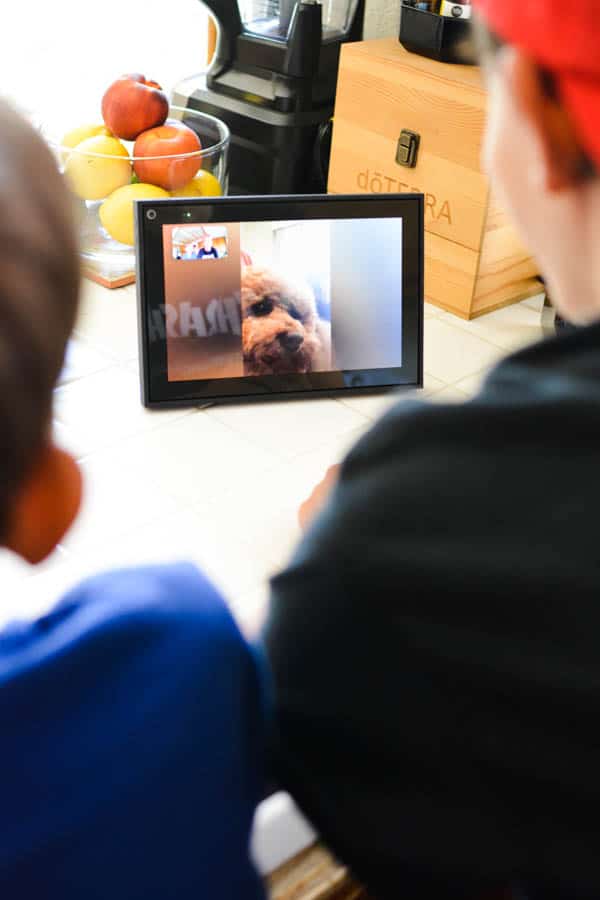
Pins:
x: 151, y: 215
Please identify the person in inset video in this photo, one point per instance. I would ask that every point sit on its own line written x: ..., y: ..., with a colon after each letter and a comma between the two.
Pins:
x: 207, y: 251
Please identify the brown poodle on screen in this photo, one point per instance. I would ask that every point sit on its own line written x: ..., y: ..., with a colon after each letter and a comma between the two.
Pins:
x: 281, y: 329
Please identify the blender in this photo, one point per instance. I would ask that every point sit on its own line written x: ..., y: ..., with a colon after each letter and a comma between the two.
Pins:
x: 272, y: 81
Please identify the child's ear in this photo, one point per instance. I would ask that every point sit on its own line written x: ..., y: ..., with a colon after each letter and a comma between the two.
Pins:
x: 46, y: 505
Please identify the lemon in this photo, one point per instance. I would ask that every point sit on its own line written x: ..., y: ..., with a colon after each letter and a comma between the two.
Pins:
x: 204, y: 184
x: 77, y: 135
x: 116, y: 213
x: 97, y: 166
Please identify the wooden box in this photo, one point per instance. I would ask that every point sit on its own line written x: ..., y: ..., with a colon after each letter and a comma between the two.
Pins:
x: 474, y: 261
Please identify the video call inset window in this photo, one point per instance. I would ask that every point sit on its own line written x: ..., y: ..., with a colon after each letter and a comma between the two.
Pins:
x: 199, y: 242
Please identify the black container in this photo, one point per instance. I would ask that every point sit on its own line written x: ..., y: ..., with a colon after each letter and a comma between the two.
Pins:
x: 438, y: 37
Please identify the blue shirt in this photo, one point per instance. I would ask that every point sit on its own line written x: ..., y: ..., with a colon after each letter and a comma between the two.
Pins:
x: 132, y: 723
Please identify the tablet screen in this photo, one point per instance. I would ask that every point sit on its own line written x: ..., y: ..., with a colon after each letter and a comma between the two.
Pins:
x: 242, y: 297
x: 285, y: 297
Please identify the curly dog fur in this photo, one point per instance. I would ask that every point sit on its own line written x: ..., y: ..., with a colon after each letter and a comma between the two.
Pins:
x: 281, y: 329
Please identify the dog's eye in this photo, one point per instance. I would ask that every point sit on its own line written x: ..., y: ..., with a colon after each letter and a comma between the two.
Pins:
x: 294, y: 312
x: 263, y: 307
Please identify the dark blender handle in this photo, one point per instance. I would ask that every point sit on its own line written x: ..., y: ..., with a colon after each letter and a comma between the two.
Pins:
x: 227, y: 14
x: 304, y: 38
x: 286, y: 9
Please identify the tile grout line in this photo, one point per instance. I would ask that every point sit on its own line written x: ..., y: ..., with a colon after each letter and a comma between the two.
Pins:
x: 464, y: 330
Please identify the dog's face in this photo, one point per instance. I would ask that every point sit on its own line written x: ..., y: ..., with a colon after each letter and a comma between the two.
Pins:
x: 278, y: 323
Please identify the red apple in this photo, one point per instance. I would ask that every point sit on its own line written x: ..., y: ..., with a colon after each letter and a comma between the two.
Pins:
x: 164, y: 142
x: 132, y: 105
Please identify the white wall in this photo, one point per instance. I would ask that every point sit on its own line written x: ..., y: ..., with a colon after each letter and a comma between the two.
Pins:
x: 59, y: 56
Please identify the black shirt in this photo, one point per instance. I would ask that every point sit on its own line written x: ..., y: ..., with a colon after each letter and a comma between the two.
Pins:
x: 202, y: 253
x: 435, y: 641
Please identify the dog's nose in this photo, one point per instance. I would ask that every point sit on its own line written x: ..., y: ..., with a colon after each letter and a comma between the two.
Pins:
x: 290, y: 341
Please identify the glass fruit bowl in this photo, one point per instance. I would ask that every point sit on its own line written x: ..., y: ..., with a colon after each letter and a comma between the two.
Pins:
x: 106, y: 177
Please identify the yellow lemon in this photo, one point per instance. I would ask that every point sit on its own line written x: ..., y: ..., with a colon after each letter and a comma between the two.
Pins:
x: 97, y: 166
x: 116, y: 213
x: 204, y: 184
x: 77, y: 135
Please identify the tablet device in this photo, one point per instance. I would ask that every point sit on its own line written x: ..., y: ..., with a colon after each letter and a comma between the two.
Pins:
x: 253, y: 297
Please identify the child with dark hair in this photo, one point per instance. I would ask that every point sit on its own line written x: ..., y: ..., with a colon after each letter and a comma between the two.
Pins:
x: 132, y: 714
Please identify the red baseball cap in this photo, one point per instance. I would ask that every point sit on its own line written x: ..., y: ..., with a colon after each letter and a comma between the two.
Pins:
x: 563, y: 36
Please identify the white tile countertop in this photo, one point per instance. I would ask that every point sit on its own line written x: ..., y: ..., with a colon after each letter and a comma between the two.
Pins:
x: 219, y: 486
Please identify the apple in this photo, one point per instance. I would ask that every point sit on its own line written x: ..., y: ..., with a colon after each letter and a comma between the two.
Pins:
x: 154, y: 149
x: 133, y: 104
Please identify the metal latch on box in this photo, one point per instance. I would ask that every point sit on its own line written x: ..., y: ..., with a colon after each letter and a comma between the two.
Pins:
x: 408, y: 149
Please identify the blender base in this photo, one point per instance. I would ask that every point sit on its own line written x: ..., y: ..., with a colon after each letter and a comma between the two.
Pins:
x: 271, y: 152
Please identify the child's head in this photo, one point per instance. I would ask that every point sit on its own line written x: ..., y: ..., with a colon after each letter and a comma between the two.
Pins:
x: 40, y: 486
x: 543, y: 136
